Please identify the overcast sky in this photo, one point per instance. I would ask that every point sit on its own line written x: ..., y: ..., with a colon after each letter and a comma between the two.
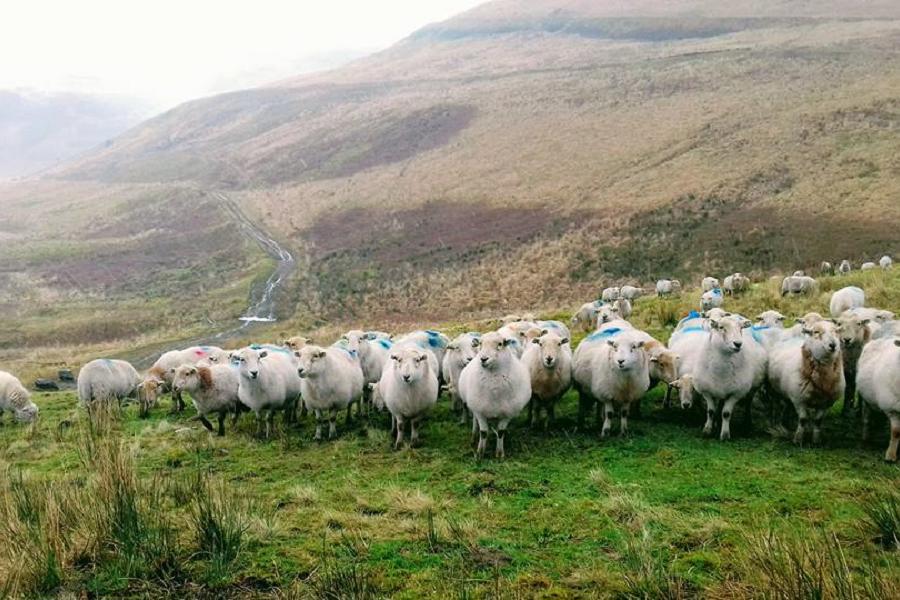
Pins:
x: 167, y: 51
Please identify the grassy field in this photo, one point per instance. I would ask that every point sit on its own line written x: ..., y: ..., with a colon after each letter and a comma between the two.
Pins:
x: 158, y: 507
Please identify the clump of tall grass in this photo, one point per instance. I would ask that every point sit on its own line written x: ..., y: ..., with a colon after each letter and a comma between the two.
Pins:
x: 648, y: 572
x: 883, y: 519
x: 220, y: 521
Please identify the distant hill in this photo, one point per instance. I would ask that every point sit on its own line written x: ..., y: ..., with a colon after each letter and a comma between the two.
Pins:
x: 39, y: 130
x: 524, y: 153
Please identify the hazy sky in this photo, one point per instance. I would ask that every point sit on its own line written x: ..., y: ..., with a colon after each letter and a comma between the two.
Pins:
x: 167, y: 51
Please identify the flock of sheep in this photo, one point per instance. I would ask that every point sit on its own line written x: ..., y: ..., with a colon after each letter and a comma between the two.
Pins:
x: 720, y: 358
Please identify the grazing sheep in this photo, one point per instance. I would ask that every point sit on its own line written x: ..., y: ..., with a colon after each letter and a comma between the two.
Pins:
x: 460, y: 352
x: 16, y: 399
x: 667, y: 287
x: 797, y: 285
x: 429, y: 339
x: 496, y: 387
x: 409, y: 388
x: 867, y: 266
x: 610, y: 294
x: 213, y: 389
x: 106, y: 379
x: 845, y: 299
x: 585, y: 318
x: 854, y: 333
x: 548, y: 359
x: 711, y: 299
x: 163, y: 370
x: 845, y: 267
x: 611, y: 368
x: 268, y: 382
x: 732, y: 366
x: 736, y: 284
x: 878, y: 381
x: 826, y: 268
x: 886, y: 262
x: 630, y: 292
x: 330, y: 380
x: 808, y: 373
x: 709, y: 283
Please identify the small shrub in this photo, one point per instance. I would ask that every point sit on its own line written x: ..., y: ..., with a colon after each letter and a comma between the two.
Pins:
x: 883, y: 518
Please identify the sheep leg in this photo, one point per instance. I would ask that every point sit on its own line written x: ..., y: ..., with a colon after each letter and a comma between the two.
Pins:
x: 891, y: 454
x: 349, y: 415
x: 607, y: 421
x: 727, y: 411
x: 258, y: 424
x: 221, y: 423
x: 866, y: 412
x: 414, y: 432
x: 817, y: 426
x: 270, y: 418
x: 501, y: 435
x: 206, y: 423
x: 551, y: 416
x: 393, y: 425
x: 332, y: 423
x: 399, y: 440
x: 482, y: 436
x: 710, y: 416
x: 667, y: 399
x: 849, y: 392
x: 463, y: 413
x: 318, y: 436
x: 623, y: 417
x: 532, y: 419
x: 474, y: 428
x: 801, y: 425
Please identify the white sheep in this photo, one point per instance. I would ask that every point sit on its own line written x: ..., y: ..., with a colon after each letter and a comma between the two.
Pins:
x: 826, y: 268
x: 548, y: 359
x: 611, y: 368
x: 630, y: 292
x: 429, y: 339
x: 667, y: 287
x: 585, y: 318
x: 735, y: 284
x: 845, y: 299
x: 867, y: 266
x: 330, y: 380
x: 874, y: 315
x: 160, y: 375
x: 608, y: 313
x: 886, y: 262
x: 845, y: 267
x: 496, y: 387
x: 624, y: 306
x: 213, y: 389
x: 709, y: 283
x: 878, y: 381
x: 799, y: 273
x: 771, y: 318
x: 610, y: 294
x: 711, y: 299
x: 688, y: 343
x: 517, y: 333
x: 730, y: 369
x: 557, y: 327
x: 460, y: 352
x: 296, y: 342
x: 16, y: 399
x: 798, y: 284
x: 107, y: 379
x: 808, y: 372
x: 409, y: 388
x: 854, y: 333
x: 268, y: 382
x: 373, y: 351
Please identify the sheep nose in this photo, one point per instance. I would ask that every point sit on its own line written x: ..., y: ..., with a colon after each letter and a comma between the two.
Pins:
x: 253, y: 374
x: 832, y: 346
x: 301, y: 372
x: 737, y: 344
x: 406, y: 378
x: 847, y: 341
x: 621, y: 362
x: 484, y: 360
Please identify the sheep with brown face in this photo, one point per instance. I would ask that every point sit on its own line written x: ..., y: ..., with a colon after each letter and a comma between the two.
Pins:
x: 213, y: 390
x: 548, y: 359
x: 809, y: 374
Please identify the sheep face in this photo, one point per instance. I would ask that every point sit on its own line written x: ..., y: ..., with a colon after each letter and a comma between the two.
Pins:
x: 726, y: 334
x: 27, y: 413
x: 607, y: 313
x: 550, y: 345
x: 685, y: 387
x: 148, y: 392
x: 533, y: 333
x: 852, y: 330
x: 311, y: 361
x: 296, y: 343
x: 771, y: 318
x: 354, y: 340
x: 464, y: 348
x: 410, y: 364
x: 249, y: 362
x: 810, y: 318
x: 821, y: 340
x: 664, y: 365
x: 626, y: 353
x: 495, y: 350
x: 186, y: 379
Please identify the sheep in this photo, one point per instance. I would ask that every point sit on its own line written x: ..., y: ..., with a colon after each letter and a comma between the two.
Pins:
x: 518, y: 334
x: 845, y: 299
x: 874, y: 315
x: 808, y: 372
x: 732, y: 366
x: 548, y: 359
x: 885, y: 262
x: 667, y: 287
x: 373, y: 352
x: 799, y: 273
x: 798, y: 284
x: 610, y: 294
x: 624, y: 306
x: 213, y: 389
x: 268, y: 382
x: 867, y: 266
x: 585, y: 318
x: 711, y: 299
x: 884, y: 330
x: 296, y: 342
x: 496, y: 387
x: 106, y: 379
x: 878, y: 381
x: 163, y: 370
x: 409, y: 388
x: 709, y: 283
x: 330, y: 379
x: 687, y: 343
x: 826, y: 268
x: 557, y: 327
x: 608, y: 313
x: 845, y: 267
x: 429, y: 339
x: 771, y: 318
x: 736, y: 284
x: 460, y: 352
x: 854, y: 334
x: 612, y: 368
x: 630, y: 292
x: 16, y: 399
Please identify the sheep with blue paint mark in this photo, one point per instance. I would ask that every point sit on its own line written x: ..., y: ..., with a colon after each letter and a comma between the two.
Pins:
x: 518, y: 333
x: 434, y: 341
x: 105, y: 379
x: 711, y: 299
x: 16, y: 399
x: 374, y: 351
x: 331, y: 379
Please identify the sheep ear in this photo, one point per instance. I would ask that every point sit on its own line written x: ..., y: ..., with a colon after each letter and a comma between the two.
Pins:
x: 476, y: 342
x: 395, y: 357
x: 536, y: 340
x: 563, y: 341
x: 611, y: 343
x: 746, y: 324
x: 510, y: 341
x: 806, y: 331
x: 320, y: 354
x: 897, y: 343
x: 544, y: 331
x: 640, y: 344
x: 297, y: 353
x: 713, y: 324
x: 452, y: 346
x: 263, y: 354
x: 654, y: 359
x: 864, y: 321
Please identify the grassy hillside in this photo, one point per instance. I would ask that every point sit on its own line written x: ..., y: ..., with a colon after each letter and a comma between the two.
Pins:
x: 174, y: 511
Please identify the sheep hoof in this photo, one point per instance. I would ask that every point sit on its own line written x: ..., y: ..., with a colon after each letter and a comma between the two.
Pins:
x: 604, y: 433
